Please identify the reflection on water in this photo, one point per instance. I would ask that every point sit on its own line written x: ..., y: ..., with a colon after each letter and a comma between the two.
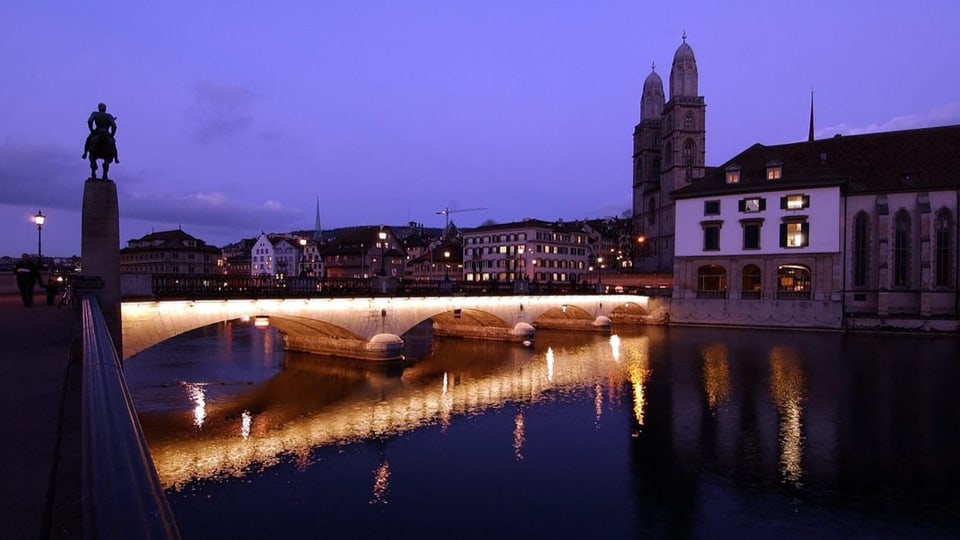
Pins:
x: 687, y: 433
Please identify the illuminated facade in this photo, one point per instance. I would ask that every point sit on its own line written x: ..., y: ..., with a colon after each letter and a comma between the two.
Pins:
x: 169, y: 252
x: 531, y: 250
x: 846, y: 231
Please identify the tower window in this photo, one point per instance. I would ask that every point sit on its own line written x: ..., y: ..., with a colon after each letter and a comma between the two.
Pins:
x: 689, y: 149
x: 688, y: 122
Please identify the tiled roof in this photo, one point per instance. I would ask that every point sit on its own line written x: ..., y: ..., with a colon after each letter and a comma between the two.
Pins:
x: 909, y: 160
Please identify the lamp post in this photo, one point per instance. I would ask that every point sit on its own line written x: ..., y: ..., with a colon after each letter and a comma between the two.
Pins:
x: 39, y: 219
x: 642, y: 243
x: 599, y: 276
x: 383, y: 242
x: 303, y: 254
x: 446, y: 265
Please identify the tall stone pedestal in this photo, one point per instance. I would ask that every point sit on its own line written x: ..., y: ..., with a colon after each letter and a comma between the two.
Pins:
x: 100, y: 250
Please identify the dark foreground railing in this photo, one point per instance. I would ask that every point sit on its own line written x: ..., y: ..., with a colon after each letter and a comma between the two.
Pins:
x: 122, y: 496
x: 179, y: 286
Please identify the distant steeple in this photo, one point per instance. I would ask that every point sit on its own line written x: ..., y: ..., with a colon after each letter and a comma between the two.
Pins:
x: 317, y: 231
x: 810, y: 134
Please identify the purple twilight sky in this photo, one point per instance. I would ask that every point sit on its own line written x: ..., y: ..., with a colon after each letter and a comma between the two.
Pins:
x: 234, y: 117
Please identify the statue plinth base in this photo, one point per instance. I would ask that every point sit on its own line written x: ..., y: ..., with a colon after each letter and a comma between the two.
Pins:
x: 100, y: 249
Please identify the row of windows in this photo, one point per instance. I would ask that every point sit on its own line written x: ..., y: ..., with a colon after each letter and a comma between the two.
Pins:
x: 759, y: 204
x: 496, y: 238
x: 902, y: 249
x: 793, y: 282
x: 520, y: 263
x: 794, y: 233
x: 774, y: 172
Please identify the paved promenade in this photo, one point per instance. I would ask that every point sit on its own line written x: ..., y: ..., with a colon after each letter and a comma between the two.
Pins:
x: 40, y: 402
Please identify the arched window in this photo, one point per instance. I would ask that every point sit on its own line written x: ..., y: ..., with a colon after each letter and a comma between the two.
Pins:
x: 668, y: 154
x: 689, y: 149
x: 901, y: 249
x: 750, y: 283
x: 688, y: 122
x: 711, y: 281
x: 942, y: 249
x: 652, y: 210
x: 861, y: 249
x: 793, y: 282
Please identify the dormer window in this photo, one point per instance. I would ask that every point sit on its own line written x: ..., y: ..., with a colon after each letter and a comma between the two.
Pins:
x: 774, y: 170
x: 733, y: 174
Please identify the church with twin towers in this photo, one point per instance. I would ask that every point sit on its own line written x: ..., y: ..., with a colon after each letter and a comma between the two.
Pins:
x: 669, y: 148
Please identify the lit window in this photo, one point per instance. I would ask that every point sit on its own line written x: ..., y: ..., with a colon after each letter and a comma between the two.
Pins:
x: 794, y: 202
x: 794, y: 234
x: 733, y: 175
x: 774, y: 170
x: 753, y: 204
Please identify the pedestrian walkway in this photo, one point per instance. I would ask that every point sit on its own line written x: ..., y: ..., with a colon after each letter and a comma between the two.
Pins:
x: 40, y: 401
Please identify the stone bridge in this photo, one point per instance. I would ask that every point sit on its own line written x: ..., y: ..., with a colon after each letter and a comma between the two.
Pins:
x: 371, y: 328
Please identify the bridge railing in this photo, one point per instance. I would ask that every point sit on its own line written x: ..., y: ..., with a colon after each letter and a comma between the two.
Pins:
x: 122, y: 495
x: 196, y: 287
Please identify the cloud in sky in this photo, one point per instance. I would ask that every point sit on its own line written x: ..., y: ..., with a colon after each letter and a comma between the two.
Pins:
x: 219, y: 111
x: 944, y: 115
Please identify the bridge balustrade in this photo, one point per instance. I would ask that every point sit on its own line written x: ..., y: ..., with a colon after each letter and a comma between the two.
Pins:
x: 182, y: 286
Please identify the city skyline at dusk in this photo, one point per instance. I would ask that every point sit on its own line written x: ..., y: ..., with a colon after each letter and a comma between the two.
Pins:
x: 234, y: 120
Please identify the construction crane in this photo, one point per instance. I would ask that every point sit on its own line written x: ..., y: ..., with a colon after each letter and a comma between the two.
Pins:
x: 446, y: 213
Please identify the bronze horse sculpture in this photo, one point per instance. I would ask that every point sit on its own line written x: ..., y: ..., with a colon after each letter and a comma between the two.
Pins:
x: 100, y: 145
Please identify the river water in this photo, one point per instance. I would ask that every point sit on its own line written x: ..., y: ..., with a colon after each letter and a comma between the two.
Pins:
x: 652, y: 432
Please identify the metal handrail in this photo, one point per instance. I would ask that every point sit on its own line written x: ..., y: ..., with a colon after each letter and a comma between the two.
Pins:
x: 122, y: 495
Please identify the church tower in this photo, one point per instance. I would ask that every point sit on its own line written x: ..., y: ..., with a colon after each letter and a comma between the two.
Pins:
x: 668, y: 154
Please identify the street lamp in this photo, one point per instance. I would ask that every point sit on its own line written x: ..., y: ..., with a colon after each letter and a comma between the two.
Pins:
x: 303, y: 254
x: 39, y: 219
x: 446, y: 265
x: 383, y: 242
x: 599, y: 266
x: 642, y: 242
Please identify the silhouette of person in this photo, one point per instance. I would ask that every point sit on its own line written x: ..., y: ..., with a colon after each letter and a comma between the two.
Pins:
x: 28, y: 276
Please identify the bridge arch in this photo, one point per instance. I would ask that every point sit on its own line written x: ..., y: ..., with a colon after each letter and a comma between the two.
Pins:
x: 371, y: 327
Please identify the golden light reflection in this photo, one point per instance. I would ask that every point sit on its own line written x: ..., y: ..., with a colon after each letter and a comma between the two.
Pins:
x: 716, y: 375
x: 197, y: 395
x: 550, y: 361
x: 400, y: 408
x: 615, y: 347
x: 597, y: 404
x: 519, y: 435
x: 638, y: 378
x: 787, y: 386
x: 245, y: 421
x: 381, y: 483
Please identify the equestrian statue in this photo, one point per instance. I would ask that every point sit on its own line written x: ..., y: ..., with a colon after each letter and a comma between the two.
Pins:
x: 100, y: 142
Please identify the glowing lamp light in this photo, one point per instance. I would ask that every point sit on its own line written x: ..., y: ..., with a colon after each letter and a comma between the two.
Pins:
x: 261, y: 321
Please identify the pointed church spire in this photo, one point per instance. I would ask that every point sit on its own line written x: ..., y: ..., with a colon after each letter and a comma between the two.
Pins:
x: 317, y: 231
x: 810, y: 135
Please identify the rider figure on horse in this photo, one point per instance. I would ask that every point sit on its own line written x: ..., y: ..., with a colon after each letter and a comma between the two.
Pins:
x: 106, y: 127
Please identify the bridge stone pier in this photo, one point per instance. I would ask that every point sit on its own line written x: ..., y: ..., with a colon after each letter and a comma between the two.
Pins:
x: 371, y: 328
